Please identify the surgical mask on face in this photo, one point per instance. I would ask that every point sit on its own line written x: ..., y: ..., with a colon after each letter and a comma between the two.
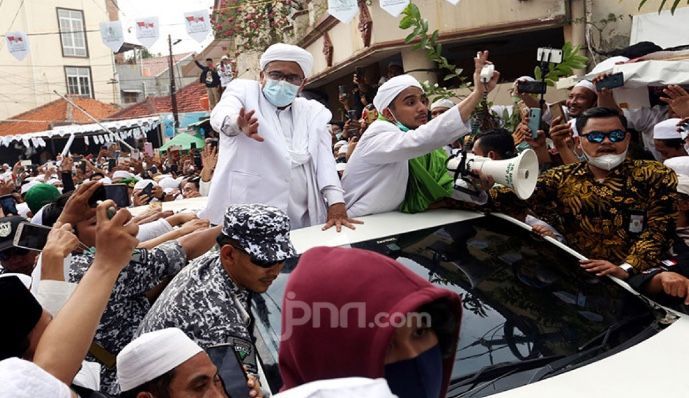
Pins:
x: 279, y: 92
x: 420, y: 377
x: 606, y: 162
x: 398, y: 124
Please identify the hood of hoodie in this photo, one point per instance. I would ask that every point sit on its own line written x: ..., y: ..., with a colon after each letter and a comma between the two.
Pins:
x: 359, y: 284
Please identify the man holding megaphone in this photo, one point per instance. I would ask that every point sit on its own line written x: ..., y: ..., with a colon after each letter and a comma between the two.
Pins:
x: 613, y: 210
x: 377, y: 173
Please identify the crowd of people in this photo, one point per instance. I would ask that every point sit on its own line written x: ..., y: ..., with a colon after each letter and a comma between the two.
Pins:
x: 98, y: 302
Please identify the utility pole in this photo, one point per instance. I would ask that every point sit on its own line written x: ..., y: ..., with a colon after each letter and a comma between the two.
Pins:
x: 173, y: 88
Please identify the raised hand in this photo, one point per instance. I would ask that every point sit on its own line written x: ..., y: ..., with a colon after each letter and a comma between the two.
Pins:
x: 249, y: 124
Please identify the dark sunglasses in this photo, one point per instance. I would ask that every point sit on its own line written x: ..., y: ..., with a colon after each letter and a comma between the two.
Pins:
x: 596, y: 137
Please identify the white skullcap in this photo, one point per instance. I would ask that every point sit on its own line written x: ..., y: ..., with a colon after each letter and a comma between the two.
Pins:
x: 105, y: 180
x: 25, y: 188
x: 683, y: 184
x: 524, y: 79
x: 667, y: 130
x: 340, y: 166
x: 24, y: 379
x: 679, y: 164
x: 121, y: 174
x: 54, y: 181
x: 143, y: 183
x: 288, y: 52
x: 587, y: 85
x: 442, y: 103
x: 391, y: 89
x: 152, y: 355
x: 359, y: 387
x: 168, y: 183
x: 607, y: 64
x: 338, y: 144
x: 23, y: 209
x: 343, y: 150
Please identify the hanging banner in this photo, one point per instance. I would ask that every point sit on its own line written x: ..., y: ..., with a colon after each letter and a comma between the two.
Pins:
x: 147, y: 31
x: 198, y: 24
x: 394, y: 7
x: 17, y: 44
x: 111, y: 34
x: 343, y: 10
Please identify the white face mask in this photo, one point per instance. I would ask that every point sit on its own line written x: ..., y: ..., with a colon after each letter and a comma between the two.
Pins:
x: 606, y: 162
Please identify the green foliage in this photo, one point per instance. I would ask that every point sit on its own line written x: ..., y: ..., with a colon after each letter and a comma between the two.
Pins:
x: 571, y: 60
x: 428, y: 42
x: 674, y: 6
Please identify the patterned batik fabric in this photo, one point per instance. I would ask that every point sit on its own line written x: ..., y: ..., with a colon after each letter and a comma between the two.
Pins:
x: 128, y: 305
x: 203, y: 302
x: 600, y: 219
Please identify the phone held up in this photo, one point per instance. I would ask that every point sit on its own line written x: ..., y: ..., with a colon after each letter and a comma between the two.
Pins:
x: 118, y: 193
x: 612, y: 81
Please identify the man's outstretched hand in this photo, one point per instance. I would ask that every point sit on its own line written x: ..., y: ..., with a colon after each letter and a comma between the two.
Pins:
x: 337, y: 216
x: 249, y: 124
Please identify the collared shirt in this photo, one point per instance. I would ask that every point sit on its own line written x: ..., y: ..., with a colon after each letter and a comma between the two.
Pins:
x: 203, y: 302
x: 624, y: 218
x: 128, y: 304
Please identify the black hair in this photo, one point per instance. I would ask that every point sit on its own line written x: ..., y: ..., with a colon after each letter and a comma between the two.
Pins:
x: 443, y: 323
x: 497, y: 140
x: 674, y: 143
x: 52, y: 212
x: 98, y: 174
x: 599, y: 113
x: 209, y: 59
x: 158, y: 387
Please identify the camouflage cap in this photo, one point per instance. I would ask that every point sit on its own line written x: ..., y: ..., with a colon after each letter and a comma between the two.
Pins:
x: 262, y: 231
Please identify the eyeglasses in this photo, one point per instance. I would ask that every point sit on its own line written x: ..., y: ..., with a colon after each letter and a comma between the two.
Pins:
x: 291, y: 79
x: 596, y: 137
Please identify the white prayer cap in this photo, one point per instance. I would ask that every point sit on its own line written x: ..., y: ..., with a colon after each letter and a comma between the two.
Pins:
x: 25, y: 188
x: 607, y: 64
x: 24, y: 379
x: 288, y: 52
x: 168, y: 183
x: 141, y: 184
x: 391, y: 89
x: 54, y: 181
x: 442, y: 103
x: 23, y: 209
x: 343, y: 150
x: 359, y: 387
x: 339, y: 143
x: 524, y: 79
x: 340, y: 166
x: 121, y: 174
x: 587, y: 85
x: 105, y: 180
x: 683, y: 184
x: 679, y: 164
x: 152, y: 355
x: 168, y: 191
x: 667, y: 130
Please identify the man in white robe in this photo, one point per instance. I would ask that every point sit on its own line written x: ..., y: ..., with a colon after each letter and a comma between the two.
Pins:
x: 375, y: 180
x: 275, y: 148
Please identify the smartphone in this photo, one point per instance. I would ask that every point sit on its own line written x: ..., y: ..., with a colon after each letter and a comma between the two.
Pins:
x: 534, y: 121
x: 197, y: 161
x: 192, y: 145
x: 230, y: 369
x: 213, y: 142
x: 31, y: 236
x: 351, y: 114
x: 534, y: 87
x: 111, y: 164
x: 174, y: 168
x: 148, y: 149
x: 557, y: 110
x: 82, y: 166
x: 148, y: 189
x: 613, y: 81
x: 9, y: 205
x: 342, y: 90
x: 25, y: 163
x: 135, y: 154
x: 118, y: 193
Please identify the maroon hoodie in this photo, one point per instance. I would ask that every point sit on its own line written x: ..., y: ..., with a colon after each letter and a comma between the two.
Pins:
x: 336, y: 277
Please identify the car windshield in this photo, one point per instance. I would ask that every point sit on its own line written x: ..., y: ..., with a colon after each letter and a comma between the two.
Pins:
x: 522, y: 297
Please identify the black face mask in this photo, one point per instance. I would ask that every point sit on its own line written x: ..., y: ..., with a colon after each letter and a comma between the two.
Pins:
x: 420, y: 377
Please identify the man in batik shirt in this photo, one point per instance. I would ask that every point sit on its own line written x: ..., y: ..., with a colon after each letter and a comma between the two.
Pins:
x: 210, y: 299
x: 615, y: 211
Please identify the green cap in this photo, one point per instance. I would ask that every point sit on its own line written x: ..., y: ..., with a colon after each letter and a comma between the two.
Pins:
x: 40, y: 195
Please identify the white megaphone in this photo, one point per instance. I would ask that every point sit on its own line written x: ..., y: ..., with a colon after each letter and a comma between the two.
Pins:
x: 520, y: 174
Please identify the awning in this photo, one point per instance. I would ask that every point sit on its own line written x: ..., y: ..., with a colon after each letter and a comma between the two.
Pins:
x: 184, y: 141
x: 116, y: 129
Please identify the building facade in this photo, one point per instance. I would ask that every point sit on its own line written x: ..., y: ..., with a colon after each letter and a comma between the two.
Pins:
x: 66, y: 54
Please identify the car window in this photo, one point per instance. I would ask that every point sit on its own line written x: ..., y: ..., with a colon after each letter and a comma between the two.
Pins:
x: 522, y: 297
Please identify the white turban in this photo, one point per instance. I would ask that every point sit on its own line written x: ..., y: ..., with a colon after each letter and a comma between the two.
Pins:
x: 288, y: 52
x: 121, y: 174
x: 667, y: 130
x: 152, y: 355
x: 587, y: 85
x: 391, y: 89
x: 24, y: 379
x: 679, y: 164
x: 442, y: 103
x: 168, y: 183
x: 360, y: 387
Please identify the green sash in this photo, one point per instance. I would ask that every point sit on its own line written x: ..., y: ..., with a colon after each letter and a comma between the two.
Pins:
x: 428, y: 181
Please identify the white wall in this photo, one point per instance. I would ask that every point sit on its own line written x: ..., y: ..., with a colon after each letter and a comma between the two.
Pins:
x: 30, y: 83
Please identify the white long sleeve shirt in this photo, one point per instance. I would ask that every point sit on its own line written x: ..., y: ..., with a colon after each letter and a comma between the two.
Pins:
x: 375, y: 180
